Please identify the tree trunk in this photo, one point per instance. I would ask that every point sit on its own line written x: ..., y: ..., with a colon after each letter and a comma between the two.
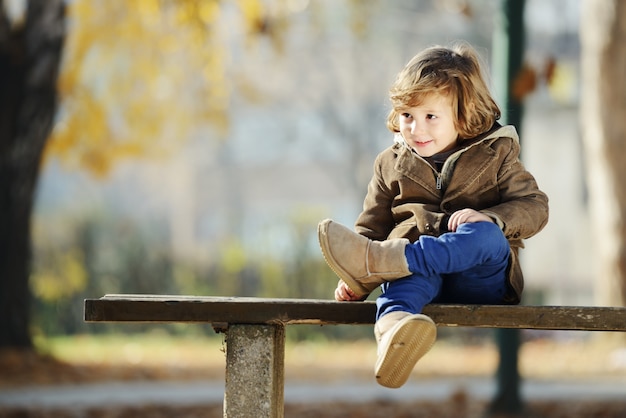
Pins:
x: 603, y: 124
x: 30, y: 55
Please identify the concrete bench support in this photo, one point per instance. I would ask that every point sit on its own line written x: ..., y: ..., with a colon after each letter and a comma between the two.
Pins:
x: 255, y: 371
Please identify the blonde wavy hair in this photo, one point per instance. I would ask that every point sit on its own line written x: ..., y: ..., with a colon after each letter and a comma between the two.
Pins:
x: 454, y: 72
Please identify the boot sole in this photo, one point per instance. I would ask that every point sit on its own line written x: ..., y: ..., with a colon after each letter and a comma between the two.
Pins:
x: 352, y: 283
x: 412, y: 338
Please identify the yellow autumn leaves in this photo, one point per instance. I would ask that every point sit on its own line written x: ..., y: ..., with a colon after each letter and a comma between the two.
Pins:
x: 139, y: 77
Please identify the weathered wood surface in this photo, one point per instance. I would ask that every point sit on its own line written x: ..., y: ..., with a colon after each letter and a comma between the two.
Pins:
x: 221, y: 311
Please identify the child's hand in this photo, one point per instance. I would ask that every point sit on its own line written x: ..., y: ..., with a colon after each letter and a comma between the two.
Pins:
x: 344, y: 294
x: 466, y: 216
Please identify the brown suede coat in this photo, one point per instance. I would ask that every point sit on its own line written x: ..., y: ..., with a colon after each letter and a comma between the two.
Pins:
x: 407, y: 197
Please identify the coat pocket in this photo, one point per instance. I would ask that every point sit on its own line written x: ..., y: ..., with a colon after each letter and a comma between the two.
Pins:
x: 406, y: 229
x: 421, y: 222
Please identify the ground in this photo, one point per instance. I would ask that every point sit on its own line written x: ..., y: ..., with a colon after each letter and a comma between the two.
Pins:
x: 348, y: 410
x: 547, y: 358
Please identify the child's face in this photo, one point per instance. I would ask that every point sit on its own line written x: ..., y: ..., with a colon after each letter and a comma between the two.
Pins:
x: 429, y: 127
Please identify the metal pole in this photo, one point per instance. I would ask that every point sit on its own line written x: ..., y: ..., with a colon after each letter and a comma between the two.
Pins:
x: 508, y: 55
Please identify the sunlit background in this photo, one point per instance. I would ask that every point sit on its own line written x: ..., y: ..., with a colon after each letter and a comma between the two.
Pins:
x: 196, y: 150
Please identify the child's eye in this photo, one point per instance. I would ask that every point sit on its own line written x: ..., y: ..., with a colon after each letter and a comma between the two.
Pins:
x: 406, y: 115
x: 431, y: 116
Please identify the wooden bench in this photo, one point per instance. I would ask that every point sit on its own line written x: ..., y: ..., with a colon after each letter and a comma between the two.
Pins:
x: 255, y: 331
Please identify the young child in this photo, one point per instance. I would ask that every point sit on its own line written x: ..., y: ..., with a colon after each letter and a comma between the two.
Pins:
x: 445, y: 213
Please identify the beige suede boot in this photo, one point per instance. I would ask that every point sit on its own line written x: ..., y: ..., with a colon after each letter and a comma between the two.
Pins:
x: 360, y: 262
x: 403, y: 339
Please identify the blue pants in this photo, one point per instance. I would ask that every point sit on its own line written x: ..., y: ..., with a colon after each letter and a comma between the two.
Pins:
x: 465, y: 266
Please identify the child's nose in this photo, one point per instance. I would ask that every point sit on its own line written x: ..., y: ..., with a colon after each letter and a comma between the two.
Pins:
x: 417, y: 127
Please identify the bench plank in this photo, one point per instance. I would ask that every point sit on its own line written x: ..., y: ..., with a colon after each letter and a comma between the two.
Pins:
x: 244, y: 310
x: 256, y: 336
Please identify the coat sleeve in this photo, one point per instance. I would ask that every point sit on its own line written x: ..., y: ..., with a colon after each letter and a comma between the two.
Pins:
x: 523, y: 208
x: 376, y: 220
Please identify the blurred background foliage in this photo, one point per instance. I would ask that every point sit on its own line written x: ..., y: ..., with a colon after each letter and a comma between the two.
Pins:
x: 138, y: 80
x: 199, y: 142
x: 126, y: 63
